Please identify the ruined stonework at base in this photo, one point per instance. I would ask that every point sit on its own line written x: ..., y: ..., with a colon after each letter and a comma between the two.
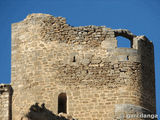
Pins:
x: 64, y: 72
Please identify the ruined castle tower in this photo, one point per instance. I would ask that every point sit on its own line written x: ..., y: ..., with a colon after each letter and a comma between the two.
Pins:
x: 80, y: 70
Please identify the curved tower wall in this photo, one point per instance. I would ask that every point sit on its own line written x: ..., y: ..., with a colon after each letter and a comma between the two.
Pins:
x: 101, y: 81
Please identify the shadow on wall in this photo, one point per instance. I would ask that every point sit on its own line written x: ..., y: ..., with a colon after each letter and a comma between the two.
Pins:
x: 37, y: 112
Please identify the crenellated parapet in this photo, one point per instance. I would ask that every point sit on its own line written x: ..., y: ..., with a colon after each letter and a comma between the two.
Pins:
x: 44, y: 31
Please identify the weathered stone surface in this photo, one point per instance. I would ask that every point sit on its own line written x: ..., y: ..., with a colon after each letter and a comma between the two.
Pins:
x: 50, y: 58
x: 5, y: 101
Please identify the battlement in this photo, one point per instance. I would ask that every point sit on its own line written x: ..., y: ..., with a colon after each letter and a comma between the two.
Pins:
x: 50, y: 28
x: 43, y: 31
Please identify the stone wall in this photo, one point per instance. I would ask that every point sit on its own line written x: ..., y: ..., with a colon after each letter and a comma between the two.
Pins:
x: 5, y: 102
x: 50, y: 57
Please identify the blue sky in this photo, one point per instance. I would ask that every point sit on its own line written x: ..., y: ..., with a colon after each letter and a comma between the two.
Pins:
x: 139, y: 16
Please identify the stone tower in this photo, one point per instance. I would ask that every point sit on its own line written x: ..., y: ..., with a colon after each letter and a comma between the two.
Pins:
x: 80, y: 70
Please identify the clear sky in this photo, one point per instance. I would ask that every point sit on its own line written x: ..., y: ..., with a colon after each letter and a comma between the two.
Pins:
x: 139, y: 16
